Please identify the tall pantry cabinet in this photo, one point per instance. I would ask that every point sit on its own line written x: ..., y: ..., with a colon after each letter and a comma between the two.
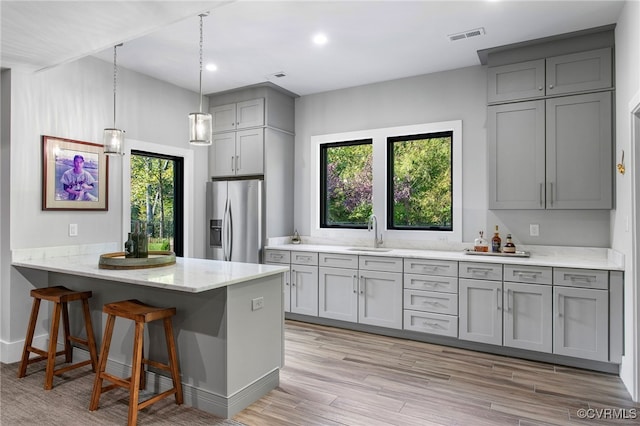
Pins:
x: 253, y: 137
x: 549, y: 130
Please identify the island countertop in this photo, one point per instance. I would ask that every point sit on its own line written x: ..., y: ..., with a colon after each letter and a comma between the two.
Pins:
x: 186, y: 275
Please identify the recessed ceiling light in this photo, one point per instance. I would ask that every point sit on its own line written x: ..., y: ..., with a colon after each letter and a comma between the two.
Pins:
x: 211, y: 67
x: 320, y: 39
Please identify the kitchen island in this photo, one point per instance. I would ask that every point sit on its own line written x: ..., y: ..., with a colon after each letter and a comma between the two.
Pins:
x: 229, y: 326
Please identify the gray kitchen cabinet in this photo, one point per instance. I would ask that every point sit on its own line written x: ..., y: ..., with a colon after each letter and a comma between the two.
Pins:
x: 528, y: 316
x: 480, y: 311
x: 338, y: 287
x: 559, y: 75
x: 304, y: 283
x: 552, y: 154
x: 380, y: 298
x: 236, y: 116
x: 281, y: 258
x: 581, y: 323
x: 237, y: 153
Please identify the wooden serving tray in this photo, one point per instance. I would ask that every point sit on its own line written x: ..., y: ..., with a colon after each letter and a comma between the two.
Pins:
x: 117, y: 260
x: 490, y: 253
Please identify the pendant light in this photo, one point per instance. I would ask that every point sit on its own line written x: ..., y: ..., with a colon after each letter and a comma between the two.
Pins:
x: 200, y: 122
x: 113, y: 138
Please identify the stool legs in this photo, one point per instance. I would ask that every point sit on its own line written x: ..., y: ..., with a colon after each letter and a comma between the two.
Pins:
x: 35, y: 307
x: 102, y: 365
x: 91, y: 340
x: 53, y: 344
x: 173, y: 360
x: 134, y: 386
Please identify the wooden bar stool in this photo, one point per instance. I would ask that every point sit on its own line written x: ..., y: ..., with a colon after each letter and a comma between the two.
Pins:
x: 60, y: 296
x: 140, y: 313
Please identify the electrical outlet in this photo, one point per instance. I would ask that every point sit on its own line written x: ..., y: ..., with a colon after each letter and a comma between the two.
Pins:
x: 257, y: 303
x: 73, y: 229
x: 534, y: 230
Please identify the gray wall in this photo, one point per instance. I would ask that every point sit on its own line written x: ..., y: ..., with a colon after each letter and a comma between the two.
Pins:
x: 452, y: 95
x: 75, y: 101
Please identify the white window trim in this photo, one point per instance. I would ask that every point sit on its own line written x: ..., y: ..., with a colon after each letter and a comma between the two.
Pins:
x: 188, y: 182
x: 379, y: 138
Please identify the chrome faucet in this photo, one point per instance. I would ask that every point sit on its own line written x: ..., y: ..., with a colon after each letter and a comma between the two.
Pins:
x: 373, y: 223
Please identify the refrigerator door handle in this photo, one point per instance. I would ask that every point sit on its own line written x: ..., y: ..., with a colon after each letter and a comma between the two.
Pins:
x: 225, y: 231
x: 230, y: 226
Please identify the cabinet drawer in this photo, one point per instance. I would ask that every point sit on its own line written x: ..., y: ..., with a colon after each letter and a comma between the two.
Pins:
x: 585, y: 278
x: 481, y: 271
x: 277, y: 256
x: 528, y: 274
x: 304, y: 258
x: 430, y: 301
x: 431, y: 283
x: 380, y: 263
x: 446, y: 325
x: 445, y: 268
x: 335, y: 260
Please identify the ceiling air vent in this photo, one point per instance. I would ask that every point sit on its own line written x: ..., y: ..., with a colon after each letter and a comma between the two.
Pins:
x: 466, y: 34
x: 278, y: 74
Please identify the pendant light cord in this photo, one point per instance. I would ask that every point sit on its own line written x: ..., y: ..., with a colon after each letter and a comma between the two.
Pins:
x: 201, y: 16
x: 115, y: 81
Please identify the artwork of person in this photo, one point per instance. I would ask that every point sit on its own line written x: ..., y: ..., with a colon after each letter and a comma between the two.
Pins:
x: 78, y: 182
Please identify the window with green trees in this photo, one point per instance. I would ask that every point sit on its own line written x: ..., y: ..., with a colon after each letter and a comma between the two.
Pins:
x: 419, y: 180
x: 346, y: 178
x: 156, y: 199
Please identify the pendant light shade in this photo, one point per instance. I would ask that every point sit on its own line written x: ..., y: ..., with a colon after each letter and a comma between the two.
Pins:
x: 199, y: 122
x: 113, y: 138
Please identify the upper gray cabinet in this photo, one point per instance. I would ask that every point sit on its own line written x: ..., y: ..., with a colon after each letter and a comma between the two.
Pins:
x: 559, y: 75
x: 551, y: 154
x: 241, y: 115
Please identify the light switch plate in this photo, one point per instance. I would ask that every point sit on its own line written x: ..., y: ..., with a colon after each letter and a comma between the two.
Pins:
x: 73, y: 229
x: 534, y: 230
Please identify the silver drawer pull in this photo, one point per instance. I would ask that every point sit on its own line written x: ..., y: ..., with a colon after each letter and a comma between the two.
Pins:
x: 304, y: 257
x: 276, y: 256
x: 580, y: 278
x: 479, y: 270
x: 527, y: 275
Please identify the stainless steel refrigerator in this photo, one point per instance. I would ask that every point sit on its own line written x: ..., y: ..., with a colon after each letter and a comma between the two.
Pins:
x: 235, y: 220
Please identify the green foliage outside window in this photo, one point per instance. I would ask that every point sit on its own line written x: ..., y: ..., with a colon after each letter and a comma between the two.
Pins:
x: 348, y: 184
x: 152, y: 190
x: 421, y: 175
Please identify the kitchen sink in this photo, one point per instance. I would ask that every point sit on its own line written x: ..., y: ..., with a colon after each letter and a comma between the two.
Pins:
x: 376, y: 249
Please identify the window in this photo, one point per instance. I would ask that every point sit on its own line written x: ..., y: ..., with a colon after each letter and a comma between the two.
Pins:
x: 157, y: 198
x: 346, y: 178
x: 414, y: 186
x: 419, y: 179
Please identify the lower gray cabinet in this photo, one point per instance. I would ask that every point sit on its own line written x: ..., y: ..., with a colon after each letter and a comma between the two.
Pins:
x: 338, y: 294
x: 581, y: 323
x: 528, y: 316
x: 480, y: 311
x: 380, y: 298
x: 304, y: 289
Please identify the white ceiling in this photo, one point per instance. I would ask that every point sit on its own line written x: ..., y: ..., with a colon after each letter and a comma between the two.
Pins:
x: 249, y: 41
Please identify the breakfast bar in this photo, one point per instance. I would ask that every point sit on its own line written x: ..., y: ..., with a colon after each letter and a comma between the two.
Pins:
x: 229, y: 326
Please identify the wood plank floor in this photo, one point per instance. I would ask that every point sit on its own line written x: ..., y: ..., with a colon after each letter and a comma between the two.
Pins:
x: 342, y: 377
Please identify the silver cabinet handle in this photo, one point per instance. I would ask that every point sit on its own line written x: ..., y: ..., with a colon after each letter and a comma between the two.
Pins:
x: 560, y: 306
x: 293, y: 276
x: 498, y: 293
x: 355, y: 285
x: 551, y: 193
x: 232, y: 169
x: 509, y: 300
x: 362, y: 285
x: 551, y: 86
x: 237, y: 162
x: 541, y: 194
x: 540, y: 87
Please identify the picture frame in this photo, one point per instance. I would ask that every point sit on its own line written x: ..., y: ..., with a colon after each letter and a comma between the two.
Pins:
x: 75, y: 175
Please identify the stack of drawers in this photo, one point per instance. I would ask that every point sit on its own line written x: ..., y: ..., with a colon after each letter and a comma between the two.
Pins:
x: 431, y: 296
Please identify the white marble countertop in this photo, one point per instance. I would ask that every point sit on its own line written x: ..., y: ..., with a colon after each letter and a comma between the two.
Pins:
x: 187, y: 274
x: 565, y: 257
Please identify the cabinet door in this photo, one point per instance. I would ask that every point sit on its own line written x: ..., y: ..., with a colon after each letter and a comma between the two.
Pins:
x: 380, y: 299
x: 579, y: 165
x: 249, y: 152
x: 524, y: 80
x: 223, y: 117
x: 516, y: 145
x: 577, y: 72
x: 580, y: 327
x: 222, y: 154
x: 250, y: 113
x: 287, y: 285
x: 480, y: 311
x: 528, y: 316
x: 304, y: 290
x: 338, y: 294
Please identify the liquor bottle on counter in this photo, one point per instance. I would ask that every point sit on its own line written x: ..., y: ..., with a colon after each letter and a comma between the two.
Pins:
x: 480, y: 244
x: 496, y: 242
x: 509, y: 247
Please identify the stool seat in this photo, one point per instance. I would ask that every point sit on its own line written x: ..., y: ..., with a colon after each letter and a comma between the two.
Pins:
x: 60, y: 296
x: 141, y: 314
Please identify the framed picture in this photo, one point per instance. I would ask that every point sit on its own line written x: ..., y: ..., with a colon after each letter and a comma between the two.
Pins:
x: 74, y: 175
